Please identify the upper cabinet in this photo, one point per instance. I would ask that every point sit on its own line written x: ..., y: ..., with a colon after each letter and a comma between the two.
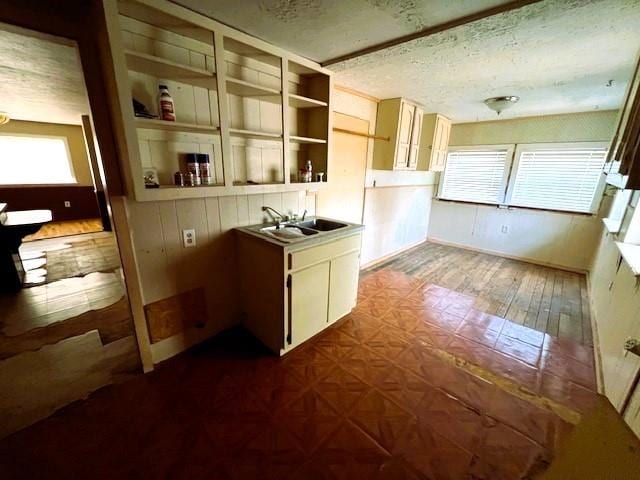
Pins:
x: 259, y: 112
x: 435, y: 142
x: 623, y: 160
x: 399, y: 123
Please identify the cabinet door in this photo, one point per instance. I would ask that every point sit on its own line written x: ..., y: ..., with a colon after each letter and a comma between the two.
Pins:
x: 308, y: 298
x: 440, y: 144
x: 343, y: 285
x: 405, y: 130
x: 416, y: 133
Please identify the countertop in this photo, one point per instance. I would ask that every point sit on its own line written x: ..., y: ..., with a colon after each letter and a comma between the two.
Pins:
x: 320, y: 238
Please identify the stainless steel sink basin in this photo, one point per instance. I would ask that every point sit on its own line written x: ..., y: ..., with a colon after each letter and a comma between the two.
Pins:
x: 321, y: 225
x: 289, y: 233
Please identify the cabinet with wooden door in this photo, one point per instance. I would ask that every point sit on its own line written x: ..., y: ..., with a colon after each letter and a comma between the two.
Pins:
x: 435, y: 142
x: 399, y: 124
x: 623, y: 159
x: 292, y: 292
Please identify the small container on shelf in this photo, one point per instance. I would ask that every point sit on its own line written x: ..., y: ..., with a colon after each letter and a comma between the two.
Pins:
x: 193, y: 167
x: 204, y: 166
x: 166, y: 106
x: 189, y: 179
x: 178, y: 179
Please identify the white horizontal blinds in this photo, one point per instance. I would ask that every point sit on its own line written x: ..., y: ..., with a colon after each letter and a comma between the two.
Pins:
x: 475, y: 176
x: 558, y: 178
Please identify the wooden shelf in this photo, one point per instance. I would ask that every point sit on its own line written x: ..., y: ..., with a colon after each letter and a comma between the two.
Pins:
x: 155, y: 124
x: 298, y: 101
x: 163, y: 68
x: 297, y: 139
x: 237, y: 132
x: 242, y: 88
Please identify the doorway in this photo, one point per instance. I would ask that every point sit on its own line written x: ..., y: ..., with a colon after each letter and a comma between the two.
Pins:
x: 66, y: 327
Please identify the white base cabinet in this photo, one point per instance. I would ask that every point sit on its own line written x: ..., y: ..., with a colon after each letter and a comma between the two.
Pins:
x: 291, y: 293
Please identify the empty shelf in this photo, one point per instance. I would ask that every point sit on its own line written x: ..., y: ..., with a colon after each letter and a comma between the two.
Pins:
x: 298, y: 101
x: 174, y: 126
x: 255, y: 134
x: 163, y: 68
x: 243, y: 88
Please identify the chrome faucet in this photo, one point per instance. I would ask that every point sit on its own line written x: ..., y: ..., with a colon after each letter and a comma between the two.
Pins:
x: 304, y: 214
x: 273, y: 212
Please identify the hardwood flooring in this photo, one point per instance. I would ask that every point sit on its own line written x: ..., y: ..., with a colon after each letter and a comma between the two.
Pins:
x: 63, y: 229
x: 542, y: 298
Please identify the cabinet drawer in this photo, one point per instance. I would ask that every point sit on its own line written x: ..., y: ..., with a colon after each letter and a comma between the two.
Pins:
x: 320, y: 253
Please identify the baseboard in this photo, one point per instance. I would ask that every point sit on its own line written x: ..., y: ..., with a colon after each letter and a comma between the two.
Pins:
x: 505, y: 255
x: 596, y: 340
x: 380, y: 260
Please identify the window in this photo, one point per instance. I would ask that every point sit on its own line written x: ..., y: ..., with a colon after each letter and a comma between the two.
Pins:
x: 557, y: 177
x: 476, y: 174
x: 564, y: 177
x: 28, y: 160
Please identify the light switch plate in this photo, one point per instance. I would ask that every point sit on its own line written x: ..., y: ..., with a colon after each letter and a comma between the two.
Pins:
x: 189, y: 238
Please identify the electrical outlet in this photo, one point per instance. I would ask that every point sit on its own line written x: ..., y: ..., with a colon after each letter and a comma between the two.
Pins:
x: 505, y: 228
x: 67, y: 204
x: 189, y: 238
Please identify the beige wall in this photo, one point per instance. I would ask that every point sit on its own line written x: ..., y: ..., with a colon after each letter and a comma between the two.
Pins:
x: 396, y: 209
x: 573, y: 127
x: 75, y: 140
x: 558, y: 239
x: 166, y: 268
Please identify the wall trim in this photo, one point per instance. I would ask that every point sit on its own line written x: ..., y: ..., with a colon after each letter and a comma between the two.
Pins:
x: 357, y: 93
x: 505, y: 255
x: 596, y: 340
x: 393, y: 254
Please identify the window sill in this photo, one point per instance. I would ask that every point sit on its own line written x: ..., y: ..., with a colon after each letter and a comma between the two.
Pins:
x: 514, y: 207
x: 631, y: 255
x: 612, y: 226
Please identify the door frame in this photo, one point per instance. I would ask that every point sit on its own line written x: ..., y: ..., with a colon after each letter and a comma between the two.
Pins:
x: 84, y: 22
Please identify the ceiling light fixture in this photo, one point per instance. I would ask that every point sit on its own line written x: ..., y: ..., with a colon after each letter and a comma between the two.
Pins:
x: 498, y: 104
x: 4, y: 118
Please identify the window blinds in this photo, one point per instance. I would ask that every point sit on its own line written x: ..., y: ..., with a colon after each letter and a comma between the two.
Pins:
x: 557, y: 179
x: 475, y: 176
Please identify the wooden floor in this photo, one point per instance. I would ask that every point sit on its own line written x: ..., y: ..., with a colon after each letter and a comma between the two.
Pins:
x: 545, y: 299
x: 63, y: 229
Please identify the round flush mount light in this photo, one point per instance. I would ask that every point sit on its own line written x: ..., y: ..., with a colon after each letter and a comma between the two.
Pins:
x: 4, y: 118
x: 498, y: 104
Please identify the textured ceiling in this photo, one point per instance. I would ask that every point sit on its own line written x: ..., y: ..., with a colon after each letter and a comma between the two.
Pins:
x: 325, y: 29
x: 556, y: 55
x: 40, y: 78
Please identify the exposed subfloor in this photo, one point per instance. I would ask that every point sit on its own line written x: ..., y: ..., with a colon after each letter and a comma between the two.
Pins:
x: 413, y: 384
x: 542, y: 298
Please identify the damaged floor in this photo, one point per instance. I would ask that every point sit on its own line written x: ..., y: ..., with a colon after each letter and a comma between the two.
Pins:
x: 414, y: 384
x: 68, y: 335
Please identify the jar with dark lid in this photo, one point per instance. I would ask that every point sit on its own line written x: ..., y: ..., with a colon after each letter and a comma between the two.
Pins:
x: 189, y: 179
x: 178, y: 179
x: 193, y: 167
x: 204, y: 166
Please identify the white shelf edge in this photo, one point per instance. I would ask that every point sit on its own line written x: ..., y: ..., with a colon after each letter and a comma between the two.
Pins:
x: 198, y: 72
x: 631, y: 255
x: 305, y: 102
x: 155, y: 124
x: 260, y: 91
x: 238, y: 132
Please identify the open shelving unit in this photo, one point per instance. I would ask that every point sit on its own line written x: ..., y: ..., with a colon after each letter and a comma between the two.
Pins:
x: 258, y: 111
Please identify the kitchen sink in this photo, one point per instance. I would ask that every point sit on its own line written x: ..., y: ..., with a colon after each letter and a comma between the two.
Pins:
x: 321, y: 225
x: 289, y: 233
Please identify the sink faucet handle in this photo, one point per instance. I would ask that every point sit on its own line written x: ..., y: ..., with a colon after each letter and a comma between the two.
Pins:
x: 304, y: 214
